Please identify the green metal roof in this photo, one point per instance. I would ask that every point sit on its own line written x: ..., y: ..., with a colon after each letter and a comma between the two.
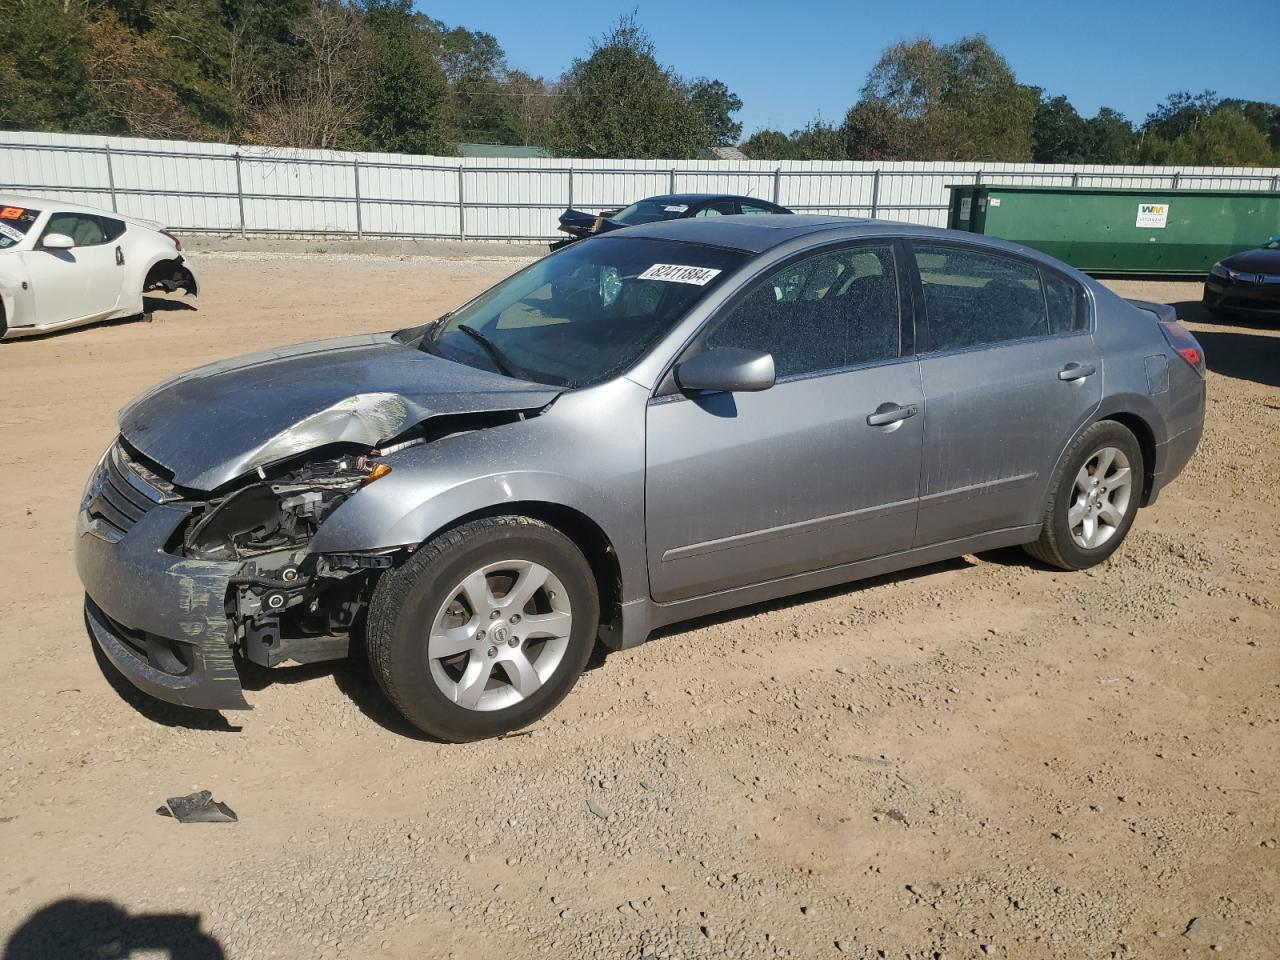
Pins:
x: 500, y: 150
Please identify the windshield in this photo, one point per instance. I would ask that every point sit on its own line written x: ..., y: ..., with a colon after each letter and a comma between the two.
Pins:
x: 651, y: 211
x: 14, y: 224
x: 584, y: 314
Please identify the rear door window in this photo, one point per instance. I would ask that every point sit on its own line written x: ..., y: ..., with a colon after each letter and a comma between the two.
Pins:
x: 15, y: 224
x: 974, y: 298
x: 754, y: 208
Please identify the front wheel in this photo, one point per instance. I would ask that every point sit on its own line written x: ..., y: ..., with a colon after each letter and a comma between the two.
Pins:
x: 485, y: 629
x: 1093, y: 498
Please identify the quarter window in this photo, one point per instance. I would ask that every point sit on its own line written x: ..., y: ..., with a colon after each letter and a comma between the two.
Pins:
x: 1068, y: 304
x: 112, y: 229
x: 752, y: 208
x: 824, y: 312
x: 973, y: 298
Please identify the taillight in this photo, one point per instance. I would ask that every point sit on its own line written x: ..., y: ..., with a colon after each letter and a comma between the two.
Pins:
x: 1184, y: 344
x: 177, y: 244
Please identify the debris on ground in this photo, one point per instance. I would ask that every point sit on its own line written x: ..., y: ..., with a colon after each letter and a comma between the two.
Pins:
x: 198, y: 807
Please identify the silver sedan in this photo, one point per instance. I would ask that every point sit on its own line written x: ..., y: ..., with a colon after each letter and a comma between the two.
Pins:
x: 648, y: 426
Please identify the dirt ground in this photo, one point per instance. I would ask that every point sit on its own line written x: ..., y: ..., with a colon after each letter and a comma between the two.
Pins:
x: 979, y: 758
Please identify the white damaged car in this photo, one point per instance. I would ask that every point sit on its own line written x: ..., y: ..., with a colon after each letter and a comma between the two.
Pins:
x: 63, y: 265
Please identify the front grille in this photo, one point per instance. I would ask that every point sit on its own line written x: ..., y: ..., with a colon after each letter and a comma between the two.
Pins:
x: 123, y: 496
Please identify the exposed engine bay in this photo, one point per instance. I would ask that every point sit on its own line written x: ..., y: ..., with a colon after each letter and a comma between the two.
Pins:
x: 283, y: 603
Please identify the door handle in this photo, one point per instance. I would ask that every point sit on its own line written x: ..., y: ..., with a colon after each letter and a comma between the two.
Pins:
x: 1075, y: 372
x: 119, y: 257
x: 888, y: 413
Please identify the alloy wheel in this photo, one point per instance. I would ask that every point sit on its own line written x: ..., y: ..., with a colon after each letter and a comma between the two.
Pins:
x: 1102, y: 496
x: 500, y: 635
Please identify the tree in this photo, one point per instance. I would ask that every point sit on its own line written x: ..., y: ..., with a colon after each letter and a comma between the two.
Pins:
x: 1225, y: 138
x: 1179, y: 112
x: 1109, y: 138
x: 406, y: 89
x: 872, y: 132
x: 1265, y: 116
x: 1058, y: 134
x: 43, y: 68
x: 620, y: 102
x: 818, y: 140
x: 768, y: 145
x: 321, y: 104
x: 717, y: 104
x: 957, y: 102
x: 130, y: 73
x: 529, y: 103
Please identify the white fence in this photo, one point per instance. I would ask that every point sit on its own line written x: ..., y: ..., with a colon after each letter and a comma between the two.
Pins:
x: 225, y: 189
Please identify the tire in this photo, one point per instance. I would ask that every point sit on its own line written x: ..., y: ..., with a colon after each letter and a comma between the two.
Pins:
x: 448, y: 641
x: 1090, y: 508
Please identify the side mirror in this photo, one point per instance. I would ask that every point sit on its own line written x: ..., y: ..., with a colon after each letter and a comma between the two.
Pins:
x: 727, y: 369
x: 57, y: 241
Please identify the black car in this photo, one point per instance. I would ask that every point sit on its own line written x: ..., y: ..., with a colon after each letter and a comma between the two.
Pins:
x: 672, y: 206
x: 1246, y: 283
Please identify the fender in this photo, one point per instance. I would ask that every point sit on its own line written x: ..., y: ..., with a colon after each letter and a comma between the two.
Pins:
x: 1123, y: 404
x: 432, y: 486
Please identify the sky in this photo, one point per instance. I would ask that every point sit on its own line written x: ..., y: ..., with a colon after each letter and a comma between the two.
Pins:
x: 793, y: 60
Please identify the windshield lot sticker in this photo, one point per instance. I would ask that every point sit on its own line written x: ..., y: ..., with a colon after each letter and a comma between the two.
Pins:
x: 676, y: 208
x: 11, y: 213
x: 1153, y: 215
x: 674, y: 273
x: 12, y: 234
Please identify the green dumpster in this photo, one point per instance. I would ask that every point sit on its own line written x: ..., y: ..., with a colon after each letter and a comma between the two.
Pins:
x: 1167, y: 232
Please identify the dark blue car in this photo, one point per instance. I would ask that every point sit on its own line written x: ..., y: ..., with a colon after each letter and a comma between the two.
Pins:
x: 673, y: 206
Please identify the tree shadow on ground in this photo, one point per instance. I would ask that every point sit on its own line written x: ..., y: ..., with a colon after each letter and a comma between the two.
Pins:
x: 74, y: 929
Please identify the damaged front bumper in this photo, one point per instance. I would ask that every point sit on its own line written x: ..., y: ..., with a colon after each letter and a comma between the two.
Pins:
x: 159, y: 618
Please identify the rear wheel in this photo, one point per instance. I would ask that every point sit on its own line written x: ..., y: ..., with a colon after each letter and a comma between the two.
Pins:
x: 1093, y: 499
x: 485, y: 629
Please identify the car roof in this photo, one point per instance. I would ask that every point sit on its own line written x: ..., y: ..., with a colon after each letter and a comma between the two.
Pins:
x: 760, y: 232
x: 47, y: 203
x: 700, y: 197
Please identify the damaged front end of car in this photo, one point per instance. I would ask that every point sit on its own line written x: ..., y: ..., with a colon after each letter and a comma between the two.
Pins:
x: 196, y: 527
x: 283, y: 602
x: 178, y: 581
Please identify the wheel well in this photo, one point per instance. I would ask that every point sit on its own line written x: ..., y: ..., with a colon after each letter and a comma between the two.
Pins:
x: 172, y: 272
x: 1141, y: 431
x: 578, y: 527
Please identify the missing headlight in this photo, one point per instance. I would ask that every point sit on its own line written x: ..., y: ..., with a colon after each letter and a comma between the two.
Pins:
x: 276, y: 514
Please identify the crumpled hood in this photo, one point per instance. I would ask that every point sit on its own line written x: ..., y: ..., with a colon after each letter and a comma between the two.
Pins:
x: 218, y: 422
